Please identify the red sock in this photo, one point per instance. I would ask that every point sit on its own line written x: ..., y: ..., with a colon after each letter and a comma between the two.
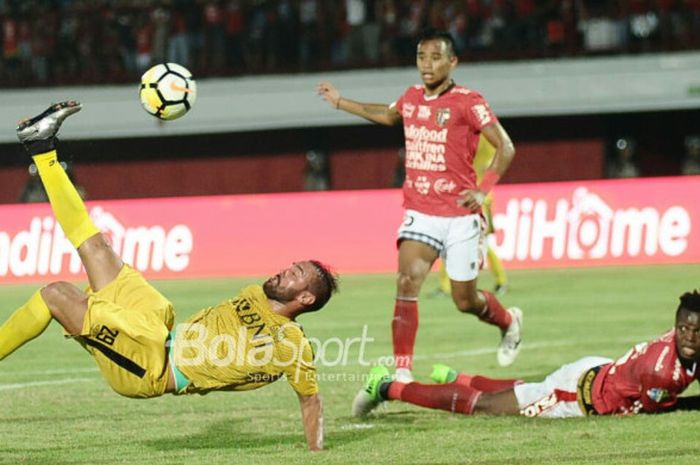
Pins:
x: 494, y: 313
x: 484, y: 384
x: 451, y: 397
x: 464, y: 379
x: 395, y: 390
x: 404, y: 327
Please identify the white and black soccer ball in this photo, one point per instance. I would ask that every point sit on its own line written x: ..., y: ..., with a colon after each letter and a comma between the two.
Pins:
x: 168, y: 91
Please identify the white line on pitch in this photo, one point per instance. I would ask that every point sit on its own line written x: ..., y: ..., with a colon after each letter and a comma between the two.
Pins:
x: 5, y: 387
x: 57, y: 371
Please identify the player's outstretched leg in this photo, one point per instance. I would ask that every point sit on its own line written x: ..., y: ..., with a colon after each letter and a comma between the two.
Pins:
x: 452, y: 397
x: 28, y: 321
x: 38, y: 135
x: 443, y: 374
x: 369, y: 397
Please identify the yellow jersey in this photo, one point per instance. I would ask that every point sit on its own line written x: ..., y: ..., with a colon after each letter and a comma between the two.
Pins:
x: 241, y: 344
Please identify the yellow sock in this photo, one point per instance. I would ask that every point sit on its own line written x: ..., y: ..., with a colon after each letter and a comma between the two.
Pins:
x: 66, y: 203
x: 445, y: 285
x: 25, y: 324
x: 496, y: 267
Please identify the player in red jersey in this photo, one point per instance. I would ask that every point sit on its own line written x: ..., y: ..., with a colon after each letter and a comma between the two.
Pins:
x: 647, y: 379
x: 442, y: 123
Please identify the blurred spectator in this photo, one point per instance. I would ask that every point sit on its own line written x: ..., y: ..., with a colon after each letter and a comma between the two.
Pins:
x: 235, y: 35
x: 178, y: 42
x: 316, y: 171
x: 160, y: 18
x: 623, y: 163
x: 691, y: 161
x: 95, y: 41
x: 601, y: 27
x: 309, y: 33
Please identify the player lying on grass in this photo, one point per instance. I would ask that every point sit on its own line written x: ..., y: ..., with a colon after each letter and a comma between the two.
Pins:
x: 646, y: 379
x: 243, y: 343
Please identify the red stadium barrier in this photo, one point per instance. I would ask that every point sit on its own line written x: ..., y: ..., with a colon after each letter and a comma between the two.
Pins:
x: 538, y: 225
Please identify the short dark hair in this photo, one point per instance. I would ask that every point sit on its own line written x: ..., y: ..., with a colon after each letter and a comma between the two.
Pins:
x: 689, y: 301
x: 438, y: 34
x: 324, y: 287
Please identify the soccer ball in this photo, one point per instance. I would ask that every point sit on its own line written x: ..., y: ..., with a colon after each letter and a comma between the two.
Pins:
x: 167, y: 91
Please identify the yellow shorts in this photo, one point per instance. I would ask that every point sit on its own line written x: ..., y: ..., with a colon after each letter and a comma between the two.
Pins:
x: 125, y: 329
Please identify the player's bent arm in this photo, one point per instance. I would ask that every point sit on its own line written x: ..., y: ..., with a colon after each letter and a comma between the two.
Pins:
x: 505, y: 150
x: 312, y: 418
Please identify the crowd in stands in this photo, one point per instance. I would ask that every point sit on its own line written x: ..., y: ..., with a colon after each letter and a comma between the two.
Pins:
x: 95, y: 41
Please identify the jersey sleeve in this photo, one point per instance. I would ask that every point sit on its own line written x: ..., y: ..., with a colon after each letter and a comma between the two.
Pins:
x: 301, y: 373
x: 397, y: 104
x: 478, y: 112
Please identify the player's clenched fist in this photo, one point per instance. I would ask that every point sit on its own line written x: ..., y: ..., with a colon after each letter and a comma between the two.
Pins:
x: 329, y: 93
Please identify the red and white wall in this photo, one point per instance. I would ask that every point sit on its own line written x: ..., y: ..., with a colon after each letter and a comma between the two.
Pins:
x: 589, y: 223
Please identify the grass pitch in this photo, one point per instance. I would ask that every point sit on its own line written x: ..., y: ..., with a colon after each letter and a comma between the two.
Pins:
x: 56, y: 409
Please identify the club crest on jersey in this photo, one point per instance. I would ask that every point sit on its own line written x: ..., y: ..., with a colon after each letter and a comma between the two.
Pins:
x: 442, y: 116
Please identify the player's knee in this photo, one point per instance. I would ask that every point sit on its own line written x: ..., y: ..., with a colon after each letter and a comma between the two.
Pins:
x: 53, y: 293
x: 59, y: 294
x: 465, y: 304
x: 407, y: 285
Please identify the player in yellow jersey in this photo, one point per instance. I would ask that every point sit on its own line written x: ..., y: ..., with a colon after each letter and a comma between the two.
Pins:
x: 482, y: 160
x: 128, y: 326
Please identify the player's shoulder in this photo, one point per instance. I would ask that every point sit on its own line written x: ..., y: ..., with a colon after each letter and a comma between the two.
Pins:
x: 665, y: 340
x: 413, y: 91
x: 465, y: 92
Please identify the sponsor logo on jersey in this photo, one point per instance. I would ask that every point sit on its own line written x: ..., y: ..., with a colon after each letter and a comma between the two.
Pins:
x: 677, y: 371
x: 482, y: 114
x: 540, y: 406
x: 444, y: 186
x: 657, y: 394
x: 424, y: 112
x: 408, y: 110
x: 425, y: 148
x: 422, y: 185
x: 660, y: 361
x: 442, y: 116
x: 422, y: 133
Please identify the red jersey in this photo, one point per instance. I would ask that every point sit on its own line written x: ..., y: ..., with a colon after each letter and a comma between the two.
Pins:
x: 646, y: 379
x: 442, y: 135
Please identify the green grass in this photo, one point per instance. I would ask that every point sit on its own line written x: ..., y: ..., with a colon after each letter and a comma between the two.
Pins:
x: 568, y: 314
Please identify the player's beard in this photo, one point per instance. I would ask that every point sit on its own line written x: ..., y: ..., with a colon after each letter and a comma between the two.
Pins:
x: 274, y: 292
